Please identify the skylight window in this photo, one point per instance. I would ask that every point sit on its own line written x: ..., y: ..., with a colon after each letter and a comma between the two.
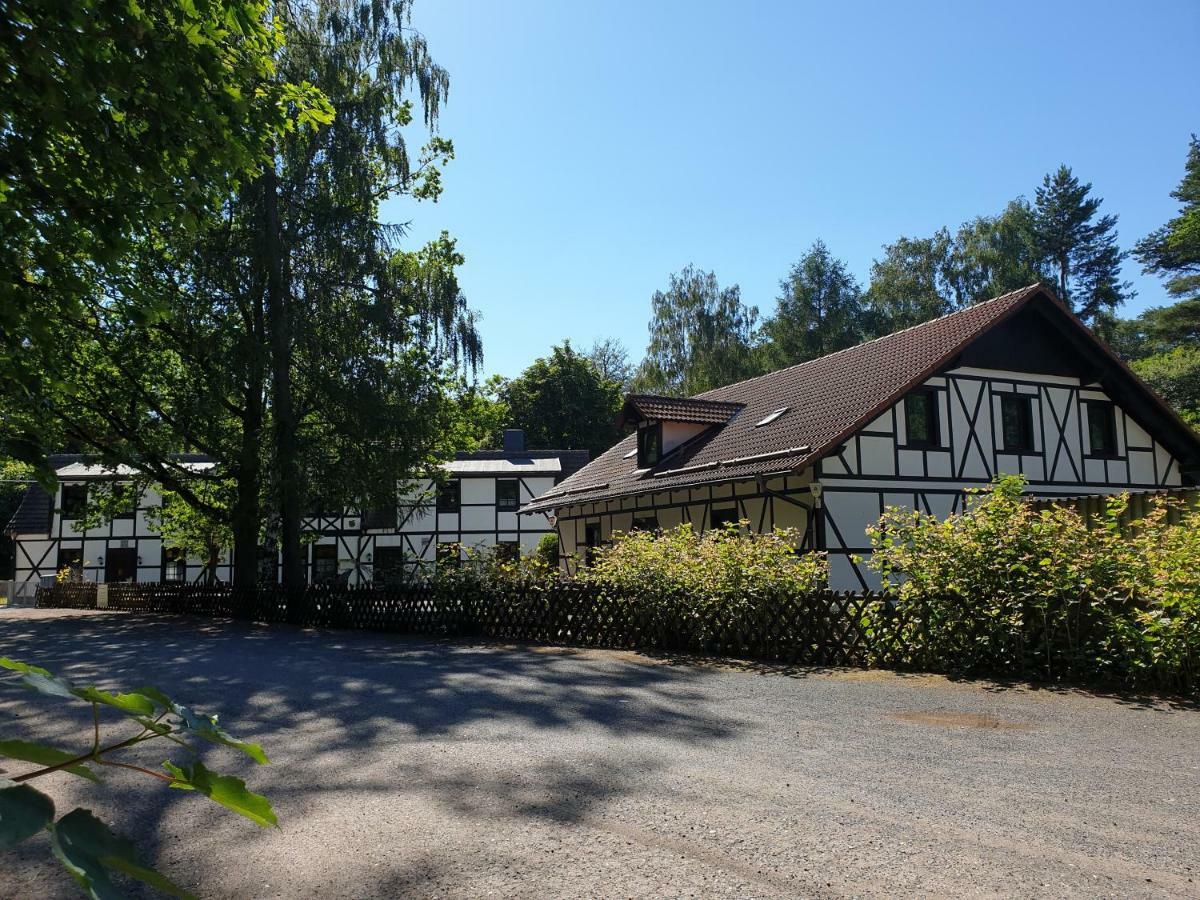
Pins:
x: 772, y: 417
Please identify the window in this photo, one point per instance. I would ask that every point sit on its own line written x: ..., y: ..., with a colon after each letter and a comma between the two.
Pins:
x: 174, y: 565
x: 267, y: 561
x: 324, y: 563
x: 449, y: 497
x: 507, y: 551
x: 508, y: 494
x: 718, y: 518
x: 1016, y: 416
x: 1102, y: 427
x: 649, y: 445
x: 448, y: 555
x: 591, y: 540
x: 74, y: 500
x: 921, y: 419
x: 70, y: 563
x: 120, y: 564
x: 772, y: 417
x: 126, y: 495
x: 379, y: 518
x: 645, y: 523
x: 388, y: 566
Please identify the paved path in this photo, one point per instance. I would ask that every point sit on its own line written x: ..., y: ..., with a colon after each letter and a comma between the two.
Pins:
x: 404, y: 767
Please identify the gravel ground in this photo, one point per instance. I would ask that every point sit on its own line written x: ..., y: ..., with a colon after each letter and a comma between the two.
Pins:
x: 407, y: 767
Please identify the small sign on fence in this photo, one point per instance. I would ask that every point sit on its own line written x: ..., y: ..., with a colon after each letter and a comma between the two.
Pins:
x: 102, y: 596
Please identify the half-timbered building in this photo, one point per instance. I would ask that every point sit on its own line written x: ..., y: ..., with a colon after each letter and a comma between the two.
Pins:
x: 473, y: 506
x: 1013, y: 385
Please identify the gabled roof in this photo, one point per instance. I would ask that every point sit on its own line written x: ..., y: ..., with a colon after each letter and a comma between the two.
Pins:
x: 640, y: 407
x: 830, y: 398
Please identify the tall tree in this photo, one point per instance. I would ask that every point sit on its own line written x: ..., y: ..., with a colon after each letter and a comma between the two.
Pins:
x: 1081, y: 248
x: 297, y: 343
x: 563, y: 402
x: 820, y: 311
x: 115, y: 119
x: 1173, y: 252
x: 911, y: 283
x: 701, y: 336
x: 611, y: 359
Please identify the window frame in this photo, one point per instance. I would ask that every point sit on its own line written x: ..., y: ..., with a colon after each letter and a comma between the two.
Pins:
x: 1109, y: 410
x: 714, y: 524
x: 324, y: 556
x: 76, y: 570
x: 173, y: 556
x: 75, y: 509
x: 593, y: 538
x: 508, y: 505
x: 644, y: 433
x: 1028, y: 447
x: 507, y: 551
x: 132, y: 496
x: 451, y: 488
x: 645, y: 523
x: 394, y: 571
x: 933, y: 420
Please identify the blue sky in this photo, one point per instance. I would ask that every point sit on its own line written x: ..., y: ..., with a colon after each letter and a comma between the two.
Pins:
x: 601, y: 147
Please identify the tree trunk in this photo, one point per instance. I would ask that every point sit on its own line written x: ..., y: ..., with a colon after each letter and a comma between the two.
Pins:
x: 247, y: 514
x: 287, y: 450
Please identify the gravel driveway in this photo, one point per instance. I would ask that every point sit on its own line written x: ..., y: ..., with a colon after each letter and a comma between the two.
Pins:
x: 408, y: 767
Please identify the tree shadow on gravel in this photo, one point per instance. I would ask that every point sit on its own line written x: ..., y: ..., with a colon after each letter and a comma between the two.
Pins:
x: 333, y: 702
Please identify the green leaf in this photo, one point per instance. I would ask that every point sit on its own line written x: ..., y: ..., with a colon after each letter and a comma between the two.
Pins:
x: 206, y: 727
x: 90, y: 852
x: 44, y: 756
x: 135, y: 703
x: 227, y: 790
x: 24, y: 811
x: 23, y: 668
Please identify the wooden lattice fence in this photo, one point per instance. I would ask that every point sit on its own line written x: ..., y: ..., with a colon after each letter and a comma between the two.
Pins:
x: 820, y: 629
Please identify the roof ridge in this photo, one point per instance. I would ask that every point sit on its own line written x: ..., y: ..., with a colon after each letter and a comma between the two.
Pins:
x: 1010, y: 295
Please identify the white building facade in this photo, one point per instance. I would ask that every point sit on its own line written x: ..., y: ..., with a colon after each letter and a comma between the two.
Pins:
x: 1015, y: 385
x: 473, y: 508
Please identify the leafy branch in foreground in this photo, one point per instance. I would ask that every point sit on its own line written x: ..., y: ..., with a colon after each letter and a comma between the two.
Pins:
x: 81, y: 842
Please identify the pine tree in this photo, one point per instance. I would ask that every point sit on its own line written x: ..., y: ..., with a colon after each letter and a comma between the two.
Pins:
x: 1080, y: 248
x: 1173, y: 252
x: 820, y: 311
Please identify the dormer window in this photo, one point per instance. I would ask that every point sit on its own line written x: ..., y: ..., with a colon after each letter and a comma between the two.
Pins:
x: 649, y: 445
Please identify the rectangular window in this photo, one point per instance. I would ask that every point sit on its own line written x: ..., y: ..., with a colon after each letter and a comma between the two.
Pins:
x: 508, y: 494
x: 507, y: 551
x: 174, y: 566
x: 449, y: 496
x: 126, y: 495
x: 70, y: 563
x: 718, y: 518
x: 921, y: 419
x: 268, y: 558
x: 649, y: 445
x: 645, y: 523
x: 1102, y: 427
x: 74, y: 500
x: 375, y: 519
x: 591, y: 540
x: 1016, y: 416
x: 449, y: 555
x: 120, y: 564
x: 388, y: 566
x: 324, y: 563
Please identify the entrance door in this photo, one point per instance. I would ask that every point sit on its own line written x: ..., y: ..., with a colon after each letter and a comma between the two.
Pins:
x: 120, y: 564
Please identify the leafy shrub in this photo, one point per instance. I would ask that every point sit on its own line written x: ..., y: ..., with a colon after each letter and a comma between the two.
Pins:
x: 547, y: 549
x: 687, y: 583
x: 1003, y: 583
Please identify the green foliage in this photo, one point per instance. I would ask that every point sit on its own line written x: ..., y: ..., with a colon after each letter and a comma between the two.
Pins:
x: 1175, y: 374
x: 81, y: 842
x: 611, y: 359
x: 478, y: 416
x: 820, y: 310
x: 1173, y: 251
x: 681, y: 579
x: 547, y: 550
x: 701, y: 337
x: 1081, y: 248
x: 1026, y: 582
x: 120, y: 118
x: 563, y: 403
